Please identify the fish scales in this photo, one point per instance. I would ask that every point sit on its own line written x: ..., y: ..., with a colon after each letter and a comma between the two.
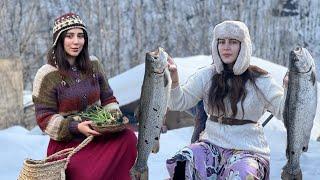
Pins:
x: 152, y: 109
x: 299, y: 111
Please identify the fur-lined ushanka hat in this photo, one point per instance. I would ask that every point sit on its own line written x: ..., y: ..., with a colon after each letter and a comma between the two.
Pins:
x: 235, y: 30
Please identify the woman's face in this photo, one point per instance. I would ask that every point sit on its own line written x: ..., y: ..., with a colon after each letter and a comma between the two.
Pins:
x: 73, y: 42
x: 228, y: 50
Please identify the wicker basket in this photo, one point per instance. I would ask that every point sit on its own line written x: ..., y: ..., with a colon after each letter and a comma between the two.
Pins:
x: 111, y: 128
x: 51, y: 168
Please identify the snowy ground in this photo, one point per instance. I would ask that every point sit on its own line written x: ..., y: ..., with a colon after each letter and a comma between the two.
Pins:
x: 17, y: 143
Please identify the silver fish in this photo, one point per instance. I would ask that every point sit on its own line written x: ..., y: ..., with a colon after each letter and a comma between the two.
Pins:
x: 152, y: 109
x: 300, y: 110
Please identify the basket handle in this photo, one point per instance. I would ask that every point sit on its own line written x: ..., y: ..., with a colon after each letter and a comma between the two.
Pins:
x: 59, y: 154
x: 78, y: 148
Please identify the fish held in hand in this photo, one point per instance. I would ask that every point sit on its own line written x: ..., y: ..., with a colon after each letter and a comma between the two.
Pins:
x: 152, y: 108
x: 300, y: 110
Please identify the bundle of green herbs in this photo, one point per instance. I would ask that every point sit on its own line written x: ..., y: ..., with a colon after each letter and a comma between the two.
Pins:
x: 100, y: 116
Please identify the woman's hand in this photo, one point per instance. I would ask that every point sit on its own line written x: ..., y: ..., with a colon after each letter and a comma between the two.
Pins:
x: 84, y: 128
x: 173, y: 72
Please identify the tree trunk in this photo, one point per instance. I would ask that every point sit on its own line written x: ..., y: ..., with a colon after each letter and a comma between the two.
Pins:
x: 120, y: 32
x: 11, y: 90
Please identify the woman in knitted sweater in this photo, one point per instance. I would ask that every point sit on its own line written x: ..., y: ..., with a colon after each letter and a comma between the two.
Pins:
x: 235, y: 95
x: 70, y: 82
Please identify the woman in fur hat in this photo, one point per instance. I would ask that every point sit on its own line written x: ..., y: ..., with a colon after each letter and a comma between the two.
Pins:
x: 70, y: 82
x: 235, y: 95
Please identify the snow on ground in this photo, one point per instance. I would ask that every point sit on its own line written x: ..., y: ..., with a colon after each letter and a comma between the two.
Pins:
x: 17, y: 143
x: 275, y: 134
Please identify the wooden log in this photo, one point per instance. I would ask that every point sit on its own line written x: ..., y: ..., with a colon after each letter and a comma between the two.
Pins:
x: 29, y: 118
x: 11, y: 90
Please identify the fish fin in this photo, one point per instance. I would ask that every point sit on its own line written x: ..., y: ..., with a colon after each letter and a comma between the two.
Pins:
x: 156, y: 146
x: 141, y: 174
x: 287, y: 150
x: 137, y: 113
x: 287, y: 175
x: 313, y: 77
x: 164, y: 129
x: 305, y: 148
x: 167, y: 78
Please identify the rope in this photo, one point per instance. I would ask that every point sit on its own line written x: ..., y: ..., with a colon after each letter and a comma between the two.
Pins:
x: 78, y: 148
x: 58, y: 154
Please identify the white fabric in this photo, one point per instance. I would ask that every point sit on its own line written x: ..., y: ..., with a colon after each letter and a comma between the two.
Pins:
x: 112, y: 106
x: 270, y: 96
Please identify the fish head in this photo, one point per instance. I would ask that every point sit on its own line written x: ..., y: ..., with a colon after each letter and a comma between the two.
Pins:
x: 156, y: 61
x: 300, y: 60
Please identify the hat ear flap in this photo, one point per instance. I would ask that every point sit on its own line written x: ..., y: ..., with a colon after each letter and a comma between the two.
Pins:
x: 215, y: 56
x: 243, y: 60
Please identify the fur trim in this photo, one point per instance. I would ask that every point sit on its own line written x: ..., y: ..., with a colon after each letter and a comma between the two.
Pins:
x: 93, y: 58
x: 111, y: 106
x: 237, y: 30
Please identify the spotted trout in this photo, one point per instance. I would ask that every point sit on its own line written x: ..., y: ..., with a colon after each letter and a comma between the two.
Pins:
x: 300, y: 110
x: 152, y: 108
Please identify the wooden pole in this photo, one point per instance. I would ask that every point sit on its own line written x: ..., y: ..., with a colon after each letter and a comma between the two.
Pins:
x: 11, y: 92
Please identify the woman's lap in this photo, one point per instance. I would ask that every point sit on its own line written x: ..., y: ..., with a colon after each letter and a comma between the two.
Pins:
x: 109, y: 156
x: 207, y: 161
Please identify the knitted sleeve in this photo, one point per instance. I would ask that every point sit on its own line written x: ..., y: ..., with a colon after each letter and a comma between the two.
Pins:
x: 44, y: 97
x: 189, y: 94
x: 108, y: 101
x: 273, y: 95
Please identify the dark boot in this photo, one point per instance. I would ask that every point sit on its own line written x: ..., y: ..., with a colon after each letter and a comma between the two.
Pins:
x: 179, y: 171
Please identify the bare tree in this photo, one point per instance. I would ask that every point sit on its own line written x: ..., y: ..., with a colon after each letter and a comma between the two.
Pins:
x: 121, y: 32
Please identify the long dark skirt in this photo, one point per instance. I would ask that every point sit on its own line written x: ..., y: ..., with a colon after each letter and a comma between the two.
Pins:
x: 106, y: 157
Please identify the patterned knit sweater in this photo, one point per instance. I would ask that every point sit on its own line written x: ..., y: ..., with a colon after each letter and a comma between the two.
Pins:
x: 57, y: 98
x: 269, y: 96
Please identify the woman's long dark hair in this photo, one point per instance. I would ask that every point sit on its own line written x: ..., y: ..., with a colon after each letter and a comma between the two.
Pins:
x: 57, y: 56
x: 231, y: 86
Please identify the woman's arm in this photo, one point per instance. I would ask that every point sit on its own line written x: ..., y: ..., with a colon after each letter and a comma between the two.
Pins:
x: 44, y: 97
x: 185, y: 96
x: 274, y: 96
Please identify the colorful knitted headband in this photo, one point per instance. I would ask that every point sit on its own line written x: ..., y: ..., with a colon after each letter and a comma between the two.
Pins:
x: 64, y: 23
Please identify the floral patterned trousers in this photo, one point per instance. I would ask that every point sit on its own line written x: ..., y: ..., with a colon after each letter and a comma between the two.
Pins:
x: 204, y: 160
